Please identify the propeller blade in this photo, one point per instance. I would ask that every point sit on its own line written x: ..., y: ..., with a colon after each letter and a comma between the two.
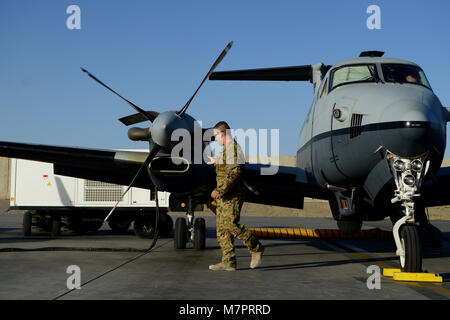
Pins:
x: 138, y: 118
x: 135, y: 107
x: 147, y: 161
x: 215, y: 64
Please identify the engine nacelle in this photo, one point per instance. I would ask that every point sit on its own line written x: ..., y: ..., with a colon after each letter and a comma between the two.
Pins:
x: 180, y: 176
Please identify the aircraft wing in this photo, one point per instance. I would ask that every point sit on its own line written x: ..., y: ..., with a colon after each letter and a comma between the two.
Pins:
x: 287, y: 187
x: 111, y: 166
x: 292, y: 73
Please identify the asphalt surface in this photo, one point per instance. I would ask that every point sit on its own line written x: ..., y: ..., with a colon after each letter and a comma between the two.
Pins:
x: 112, y: 267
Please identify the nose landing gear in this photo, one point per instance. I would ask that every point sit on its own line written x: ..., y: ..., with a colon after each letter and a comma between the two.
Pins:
x: 408, y: 175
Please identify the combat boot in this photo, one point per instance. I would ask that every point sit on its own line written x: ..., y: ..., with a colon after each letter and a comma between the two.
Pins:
x: 256, y: 258
x: 221, y: 267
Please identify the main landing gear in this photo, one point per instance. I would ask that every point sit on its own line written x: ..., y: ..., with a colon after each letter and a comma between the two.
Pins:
x: 190, y: 230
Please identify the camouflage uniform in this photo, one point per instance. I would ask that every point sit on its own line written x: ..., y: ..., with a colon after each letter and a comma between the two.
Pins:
x: 230, y: 171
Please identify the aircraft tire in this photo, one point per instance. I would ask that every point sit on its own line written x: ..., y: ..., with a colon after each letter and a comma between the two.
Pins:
x: 349, y: 226
x: 180, y: 236
x: 412, y: 259
x: 27, y: 223
x: 199, y: 233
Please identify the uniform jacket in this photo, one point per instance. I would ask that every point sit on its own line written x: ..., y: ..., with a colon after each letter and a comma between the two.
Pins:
x: 230, y: 166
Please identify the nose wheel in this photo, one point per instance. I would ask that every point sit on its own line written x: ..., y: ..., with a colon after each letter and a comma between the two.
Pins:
x: 411, y: 259
x: 408, y: 241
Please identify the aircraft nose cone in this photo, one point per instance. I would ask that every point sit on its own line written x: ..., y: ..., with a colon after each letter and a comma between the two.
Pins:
x: 410, y: 129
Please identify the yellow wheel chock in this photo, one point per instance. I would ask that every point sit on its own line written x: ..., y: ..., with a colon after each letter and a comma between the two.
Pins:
x: 389, y: 272
x: 398, y: 275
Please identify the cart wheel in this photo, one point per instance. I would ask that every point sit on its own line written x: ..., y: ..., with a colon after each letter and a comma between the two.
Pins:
x: 144, y: 228
x: 199, y: 233
x: 119, y: 225
x: 27, y: 223
x: 180, y: 236
x: 411, y: 260
x: 56, y: 226
x: 83, y: 225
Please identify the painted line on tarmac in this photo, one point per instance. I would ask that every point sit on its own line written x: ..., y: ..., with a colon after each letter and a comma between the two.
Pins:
x: 430, y: 290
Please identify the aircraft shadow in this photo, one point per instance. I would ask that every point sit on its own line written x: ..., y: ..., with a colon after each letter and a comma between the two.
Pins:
x: 445, y: 277
x: 318, y: 264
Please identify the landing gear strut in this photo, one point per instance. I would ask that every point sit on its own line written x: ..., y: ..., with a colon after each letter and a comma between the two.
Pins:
x: 408, y: 175
x: 190, y: 231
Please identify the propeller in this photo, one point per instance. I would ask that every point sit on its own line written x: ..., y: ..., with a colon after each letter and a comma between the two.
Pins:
x: 148, y: 116
x: 215, y: 64
x: 161, y: 124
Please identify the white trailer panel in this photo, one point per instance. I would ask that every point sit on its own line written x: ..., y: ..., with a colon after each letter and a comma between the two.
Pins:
x: 34, y: 185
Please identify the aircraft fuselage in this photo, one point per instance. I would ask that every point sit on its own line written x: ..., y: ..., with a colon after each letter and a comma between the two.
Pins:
x: 353, y: 122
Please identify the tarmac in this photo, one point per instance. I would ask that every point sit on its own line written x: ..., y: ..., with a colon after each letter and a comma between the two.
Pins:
x: 115, y: 266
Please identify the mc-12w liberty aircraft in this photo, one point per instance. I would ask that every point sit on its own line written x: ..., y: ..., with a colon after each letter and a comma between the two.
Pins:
x: 372, y: 145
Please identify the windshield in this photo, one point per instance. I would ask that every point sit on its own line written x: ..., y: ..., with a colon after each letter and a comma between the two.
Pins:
x: 404, y: 73
x: 354, y: 73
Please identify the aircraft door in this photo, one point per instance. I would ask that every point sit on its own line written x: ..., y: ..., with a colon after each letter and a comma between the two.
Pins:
x: 344, y: 126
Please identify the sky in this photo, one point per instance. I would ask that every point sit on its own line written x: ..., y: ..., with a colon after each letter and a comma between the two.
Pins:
x: 155, y: 53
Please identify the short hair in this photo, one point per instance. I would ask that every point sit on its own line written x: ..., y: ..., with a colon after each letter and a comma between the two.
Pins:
x: 222, y: 126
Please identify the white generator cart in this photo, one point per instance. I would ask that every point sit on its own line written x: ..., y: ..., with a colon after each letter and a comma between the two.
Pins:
x: 52, y: 201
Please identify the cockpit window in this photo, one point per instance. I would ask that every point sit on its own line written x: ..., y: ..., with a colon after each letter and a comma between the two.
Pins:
x: 354, y: 73
x: 404, y: 73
